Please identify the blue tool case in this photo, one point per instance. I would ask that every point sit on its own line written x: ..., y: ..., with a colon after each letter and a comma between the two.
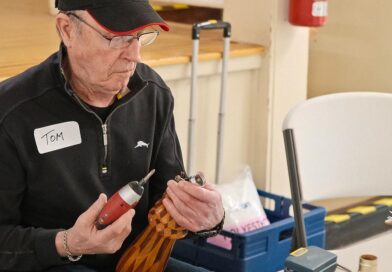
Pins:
x: 261, y: 250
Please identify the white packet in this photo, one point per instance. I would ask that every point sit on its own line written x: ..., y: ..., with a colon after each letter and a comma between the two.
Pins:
x: 244, y: 211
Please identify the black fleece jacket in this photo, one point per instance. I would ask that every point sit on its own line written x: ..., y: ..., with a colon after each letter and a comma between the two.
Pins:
x: 54, y: 162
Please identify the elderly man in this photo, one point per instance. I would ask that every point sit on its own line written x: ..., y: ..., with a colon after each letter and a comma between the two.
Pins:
x: 78, y: 127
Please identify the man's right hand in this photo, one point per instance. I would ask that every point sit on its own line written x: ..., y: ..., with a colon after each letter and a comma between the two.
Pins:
x: 85, y: 238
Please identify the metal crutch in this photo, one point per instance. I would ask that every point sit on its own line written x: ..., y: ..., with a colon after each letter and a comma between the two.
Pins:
x: 211, y: 24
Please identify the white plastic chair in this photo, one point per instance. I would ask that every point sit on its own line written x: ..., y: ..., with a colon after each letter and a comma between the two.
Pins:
x: 338, y: 145
x: 343, y: 144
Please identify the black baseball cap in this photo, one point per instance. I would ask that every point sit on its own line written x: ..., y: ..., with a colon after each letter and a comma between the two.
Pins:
x: 119, y: 17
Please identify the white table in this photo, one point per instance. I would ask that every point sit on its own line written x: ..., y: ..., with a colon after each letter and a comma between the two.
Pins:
x: 379, y: 245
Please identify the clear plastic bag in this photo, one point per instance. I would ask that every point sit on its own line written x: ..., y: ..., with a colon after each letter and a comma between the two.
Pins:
x: 244, y: 211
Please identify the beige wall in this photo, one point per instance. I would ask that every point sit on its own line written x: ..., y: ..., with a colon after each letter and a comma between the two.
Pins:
x: 240, y: 145
x: 283, y: 79
x: 202, y: 3
x: 353, y: 51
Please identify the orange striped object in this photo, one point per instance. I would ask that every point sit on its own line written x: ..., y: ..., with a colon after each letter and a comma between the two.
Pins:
x: 151, y: 250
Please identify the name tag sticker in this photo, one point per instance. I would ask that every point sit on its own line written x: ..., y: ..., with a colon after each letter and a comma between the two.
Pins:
x: 57, y: 136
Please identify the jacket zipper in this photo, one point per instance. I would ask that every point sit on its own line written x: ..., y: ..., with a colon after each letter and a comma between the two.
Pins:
x: 104, y: 126
x: 104, y: 169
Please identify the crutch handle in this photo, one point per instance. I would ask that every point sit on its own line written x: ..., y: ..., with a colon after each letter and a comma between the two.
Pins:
x: 211, y: 24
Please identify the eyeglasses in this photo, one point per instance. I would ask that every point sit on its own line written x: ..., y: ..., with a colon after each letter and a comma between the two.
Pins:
x: 144, y: 38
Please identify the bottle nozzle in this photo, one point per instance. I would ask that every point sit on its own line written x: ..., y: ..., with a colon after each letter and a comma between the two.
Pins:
x: 146, y: 178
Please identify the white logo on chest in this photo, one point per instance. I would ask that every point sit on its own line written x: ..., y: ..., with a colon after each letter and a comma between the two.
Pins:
x: 57, y: 136
x: 141, y: 144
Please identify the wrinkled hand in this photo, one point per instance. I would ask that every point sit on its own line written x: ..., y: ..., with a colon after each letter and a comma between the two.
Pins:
x: 193, y: 207
x: 85, y: 238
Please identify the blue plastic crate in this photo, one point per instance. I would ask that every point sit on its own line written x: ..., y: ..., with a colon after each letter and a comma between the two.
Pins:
x: 261, y: 250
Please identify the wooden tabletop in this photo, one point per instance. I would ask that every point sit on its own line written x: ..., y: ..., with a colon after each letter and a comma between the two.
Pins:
x: 28, y: 36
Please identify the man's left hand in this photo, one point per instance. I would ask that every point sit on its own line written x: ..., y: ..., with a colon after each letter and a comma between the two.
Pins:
x: 193, y: 207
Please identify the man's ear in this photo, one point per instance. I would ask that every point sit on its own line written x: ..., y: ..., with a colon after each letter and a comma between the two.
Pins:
x: 64, y: 28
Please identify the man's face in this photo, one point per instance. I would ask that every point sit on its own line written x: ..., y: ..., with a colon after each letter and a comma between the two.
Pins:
x: 102, y: 68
